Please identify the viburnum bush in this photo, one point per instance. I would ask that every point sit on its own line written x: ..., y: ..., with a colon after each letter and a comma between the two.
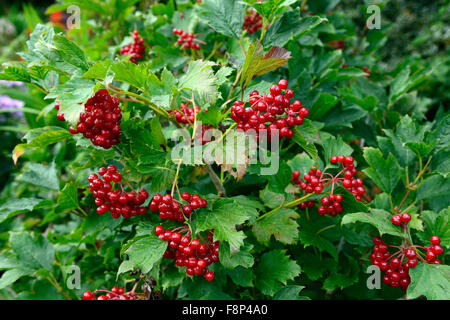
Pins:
x: 226, y: 150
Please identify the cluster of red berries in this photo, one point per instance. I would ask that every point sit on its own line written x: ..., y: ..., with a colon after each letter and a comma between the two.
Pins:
x: 174, y: 210
x: 59, y: 116
x: 367, y: 71
x: 306, y: 204
x: 433, y: 250
x: 315, y: 181
x: 400, y: 218
x: 312, y: 181
x: 397, y: 271
x: 203, y: 134
x: 273, y: 108
x: 354, y: 185
x: 187, y: 40
x: 118, y: 202
x: 116, y: 293
x: 136, y: 49
x: 336, y: 44
x: 252, y: 21
x: 331, y: 205
x: 193, y: 255
x: 186, y: 114
x: 100, y: 122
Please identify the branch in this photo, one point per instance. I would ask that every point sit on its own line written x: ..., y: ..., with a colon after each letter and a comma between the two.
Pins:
x: 215, y: 179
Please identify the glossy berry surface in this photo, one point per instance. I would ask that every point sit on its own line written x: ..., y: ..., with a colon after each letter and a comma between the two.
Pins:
x: 115, y: 293
x: 187, y: 40
x: 193, y: 254
x: 252, y: 21
x: 118, y: 201
x: 264, y: 114
x: 100, y: 122
x: 185, y: 114
x: 136, y: 50
x: 174, y: 210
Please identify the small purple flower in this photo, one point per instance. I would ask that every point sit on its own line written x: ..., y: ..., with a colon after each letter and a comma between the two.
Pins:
x: 9, y: 84
x: 8, y: 103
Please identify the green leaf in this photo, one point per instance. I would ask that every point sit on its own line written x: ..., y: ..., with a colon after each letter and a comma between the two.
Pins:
x: 224, y: 16
x: 436, y: 224
x: 72, y: 95
x: 33, y: 250
x: 384, y: 172
x: 143, y: 253
x: 11, y: 276
x: 325, y: 61
x: 281, y: 224
x: 290, y: 292
x: 441, y: 133
x: 212, y: 117
x: 431, y: 281
x: 322, y: 105
x: 301, y: 162
x: 95, y: 223
x: 349, y: 202
x: 40, y: 138
x: 15, y: 73
x: 421, y: 148
x: 200, y: 79
x: 16, y: 206
x: 399, y: 84
x: 290, y: 26
x: 404, y: 81
x: 308, y: 146
x: 436, y: 189
x: 40, y: 175
x: 124, y: 71
x: 271, y: 199
x: 378, y: 218
x: 279, y: 181
x: 68, y: 197
x: 161, y: 90
x: 171, y: 277
x: 344, y: 279
x: 334, y: 146
x: 225, y: 215
x: 257, y: 63
x: 273, y: 271
x: 270, y: 9
x: 309, y: 236
x: 241, y: 276
x: 314, y: 266
x: 71, y: 53
x: 351, y: 73
x: 232, y: 260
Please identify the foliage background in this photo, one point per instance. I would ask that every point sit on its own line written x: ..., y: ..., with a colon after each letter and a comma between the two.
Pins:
x: 392, y: 122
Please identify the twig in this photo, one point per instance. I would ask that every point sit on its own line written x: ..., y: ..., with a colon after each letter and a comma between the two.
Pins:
x: 215, y: 179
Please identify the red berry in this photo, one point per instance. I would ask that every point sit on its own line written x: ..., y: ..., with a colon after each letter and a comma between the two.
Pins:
x: 437, y: 250
x: 88, y: 296
x: 405, y: 217
x: 209, y: 276
x: 396, y: 220
x: 435, y: 240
